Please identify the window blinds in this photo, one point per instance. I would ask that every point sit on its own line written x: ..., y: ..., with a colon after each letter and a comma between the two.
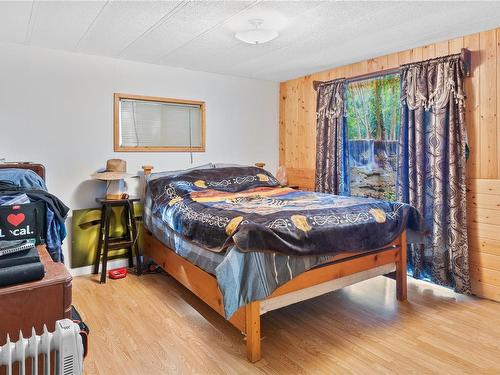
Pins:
x: 159, y: 124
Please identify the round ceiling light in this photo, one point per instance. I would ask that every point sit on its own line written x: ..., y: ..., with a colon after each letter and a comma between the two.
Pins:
x: 256, y: 35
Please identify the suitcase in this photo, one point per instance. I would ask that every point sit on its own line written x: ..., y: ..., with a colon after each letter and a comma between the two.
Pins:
x: 39, y: 169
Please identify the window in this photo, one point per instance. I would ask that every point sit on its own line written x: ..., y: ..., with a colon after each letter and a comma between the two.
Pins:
x: 143, y: 123
x: 373, y: 132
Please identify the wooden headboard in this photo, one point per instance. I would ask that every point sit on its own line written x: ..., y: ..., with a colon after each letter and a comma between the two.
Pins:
x: 39, y: 169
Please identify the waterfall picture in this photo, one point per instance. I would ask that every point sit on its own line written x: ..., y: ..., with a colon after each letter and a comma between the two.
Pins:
x: 373, y: 132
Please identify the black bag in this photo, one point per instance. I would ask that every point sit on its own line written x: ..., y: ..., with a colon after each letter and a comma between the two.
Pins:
x: 84, y: 329
x: 23, y: 221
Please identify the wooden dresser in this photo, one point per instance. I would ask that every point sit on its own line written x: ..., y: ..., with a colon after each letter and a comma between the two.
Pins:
x: 36, y: 303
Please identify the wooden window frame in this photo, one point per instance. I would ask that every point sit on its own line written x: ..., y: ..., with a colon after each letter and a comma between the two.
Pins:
x: 116, y: 125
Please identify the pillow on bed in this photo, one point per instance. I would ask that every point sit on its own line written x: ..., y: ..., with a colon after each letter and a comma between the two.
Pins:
x: 227, y: 165
x: 229, y: 179
x: 156, y: 175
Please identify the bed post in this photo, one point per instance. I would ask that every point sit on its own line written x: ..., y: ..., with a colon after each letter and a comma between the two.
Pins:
x: 401, y: 276
x: 252, y: 325
x: 147, y: 169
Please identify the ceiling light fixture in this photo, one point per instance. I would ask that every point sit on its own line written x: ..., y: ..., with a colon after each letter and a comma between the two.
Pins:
x: 256, y: 35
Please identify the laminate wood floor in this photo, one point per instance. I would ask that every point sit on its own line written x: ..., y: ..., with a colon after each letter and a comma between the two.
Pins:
x: 153, y: 325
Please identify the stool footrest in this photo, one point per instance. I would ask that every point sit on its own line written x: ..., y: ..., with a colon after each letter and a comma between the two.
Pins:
x: 120, y: 244
x: 117, y: 239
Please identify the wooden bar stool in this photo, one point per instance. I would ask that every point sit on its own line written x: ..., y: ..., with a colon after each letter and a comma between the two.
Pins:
x: 128, y: 240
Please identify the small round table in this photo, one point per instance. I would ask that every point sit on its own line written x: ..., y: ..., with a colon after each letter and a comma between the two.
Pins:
x: 127, y: 241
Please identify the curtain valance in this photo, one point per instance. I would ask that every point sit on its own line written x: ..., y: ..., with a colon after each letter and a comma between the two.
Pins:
x: 430, y: 83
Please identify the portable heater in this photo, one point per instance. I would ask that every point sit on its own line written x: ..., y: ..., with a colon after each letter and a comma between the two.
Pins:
x: 65, y: 342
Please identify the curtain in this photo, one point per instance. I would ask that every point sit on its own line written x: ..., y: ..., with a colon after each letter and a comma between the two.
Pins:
x: 431, y: 168
x: 331, y: 166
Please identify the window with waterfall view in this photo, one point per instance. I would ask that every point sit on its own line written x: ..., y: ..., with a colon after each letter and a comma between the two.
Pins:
x: 373, y: 133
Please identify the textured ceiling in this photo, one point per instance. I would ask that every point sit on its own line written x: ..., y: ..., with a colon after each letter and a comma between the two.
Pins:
x: 199, y: 35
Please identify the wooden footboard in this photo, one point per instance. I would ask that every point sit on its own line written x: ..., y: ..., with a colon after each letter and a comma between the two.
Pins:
x: 342, y: 271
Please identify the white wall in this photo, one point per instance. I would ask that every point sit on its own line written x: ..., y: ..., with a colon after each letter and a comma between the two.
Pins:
x: 56, y: 108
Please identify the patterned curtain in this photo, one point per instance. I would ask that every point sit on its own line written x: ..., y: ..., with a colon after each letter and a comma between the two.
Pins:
x: 331, y: 166
x: 431, y: 170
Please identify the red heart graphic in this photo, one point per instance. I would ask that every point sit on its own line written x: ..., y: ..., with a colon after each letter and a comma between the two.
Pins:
x: 16, y: 219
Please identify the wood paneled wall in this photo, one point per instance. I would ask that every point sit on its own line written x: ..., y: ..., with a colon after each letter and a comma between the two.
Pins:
x: 298, y: 133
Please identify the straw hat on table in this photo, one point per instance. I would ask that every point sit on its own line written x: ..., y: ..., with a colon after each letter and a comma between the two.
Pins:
x: 116, y: 169
x: 114, y: 175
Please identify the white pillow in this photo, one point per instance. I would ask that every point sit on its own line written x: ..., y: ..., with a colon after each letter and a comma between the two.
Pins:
x: 154, y: 176
x: 227, y: 165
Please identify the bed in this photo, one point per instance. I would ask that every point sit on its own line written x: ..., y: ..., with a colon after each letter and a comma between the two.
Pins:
x: 246, y: 245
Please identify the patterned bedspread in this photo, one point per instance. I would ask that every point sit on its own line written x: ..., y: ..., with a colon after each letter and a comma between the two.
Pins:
x: 246, y: 206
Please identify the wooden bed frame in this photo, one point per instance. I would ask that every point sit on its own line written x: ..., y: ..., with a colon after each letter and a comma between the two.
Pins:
x: 343, y: 270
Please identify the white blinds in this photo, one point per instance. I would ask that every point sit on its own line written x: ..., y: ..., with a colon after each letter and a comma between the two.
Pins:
x: 159, y: 124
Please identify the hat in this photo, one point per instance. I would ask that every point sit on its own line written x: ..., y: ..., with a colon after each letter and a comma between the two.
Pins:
x: 116, y: 169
